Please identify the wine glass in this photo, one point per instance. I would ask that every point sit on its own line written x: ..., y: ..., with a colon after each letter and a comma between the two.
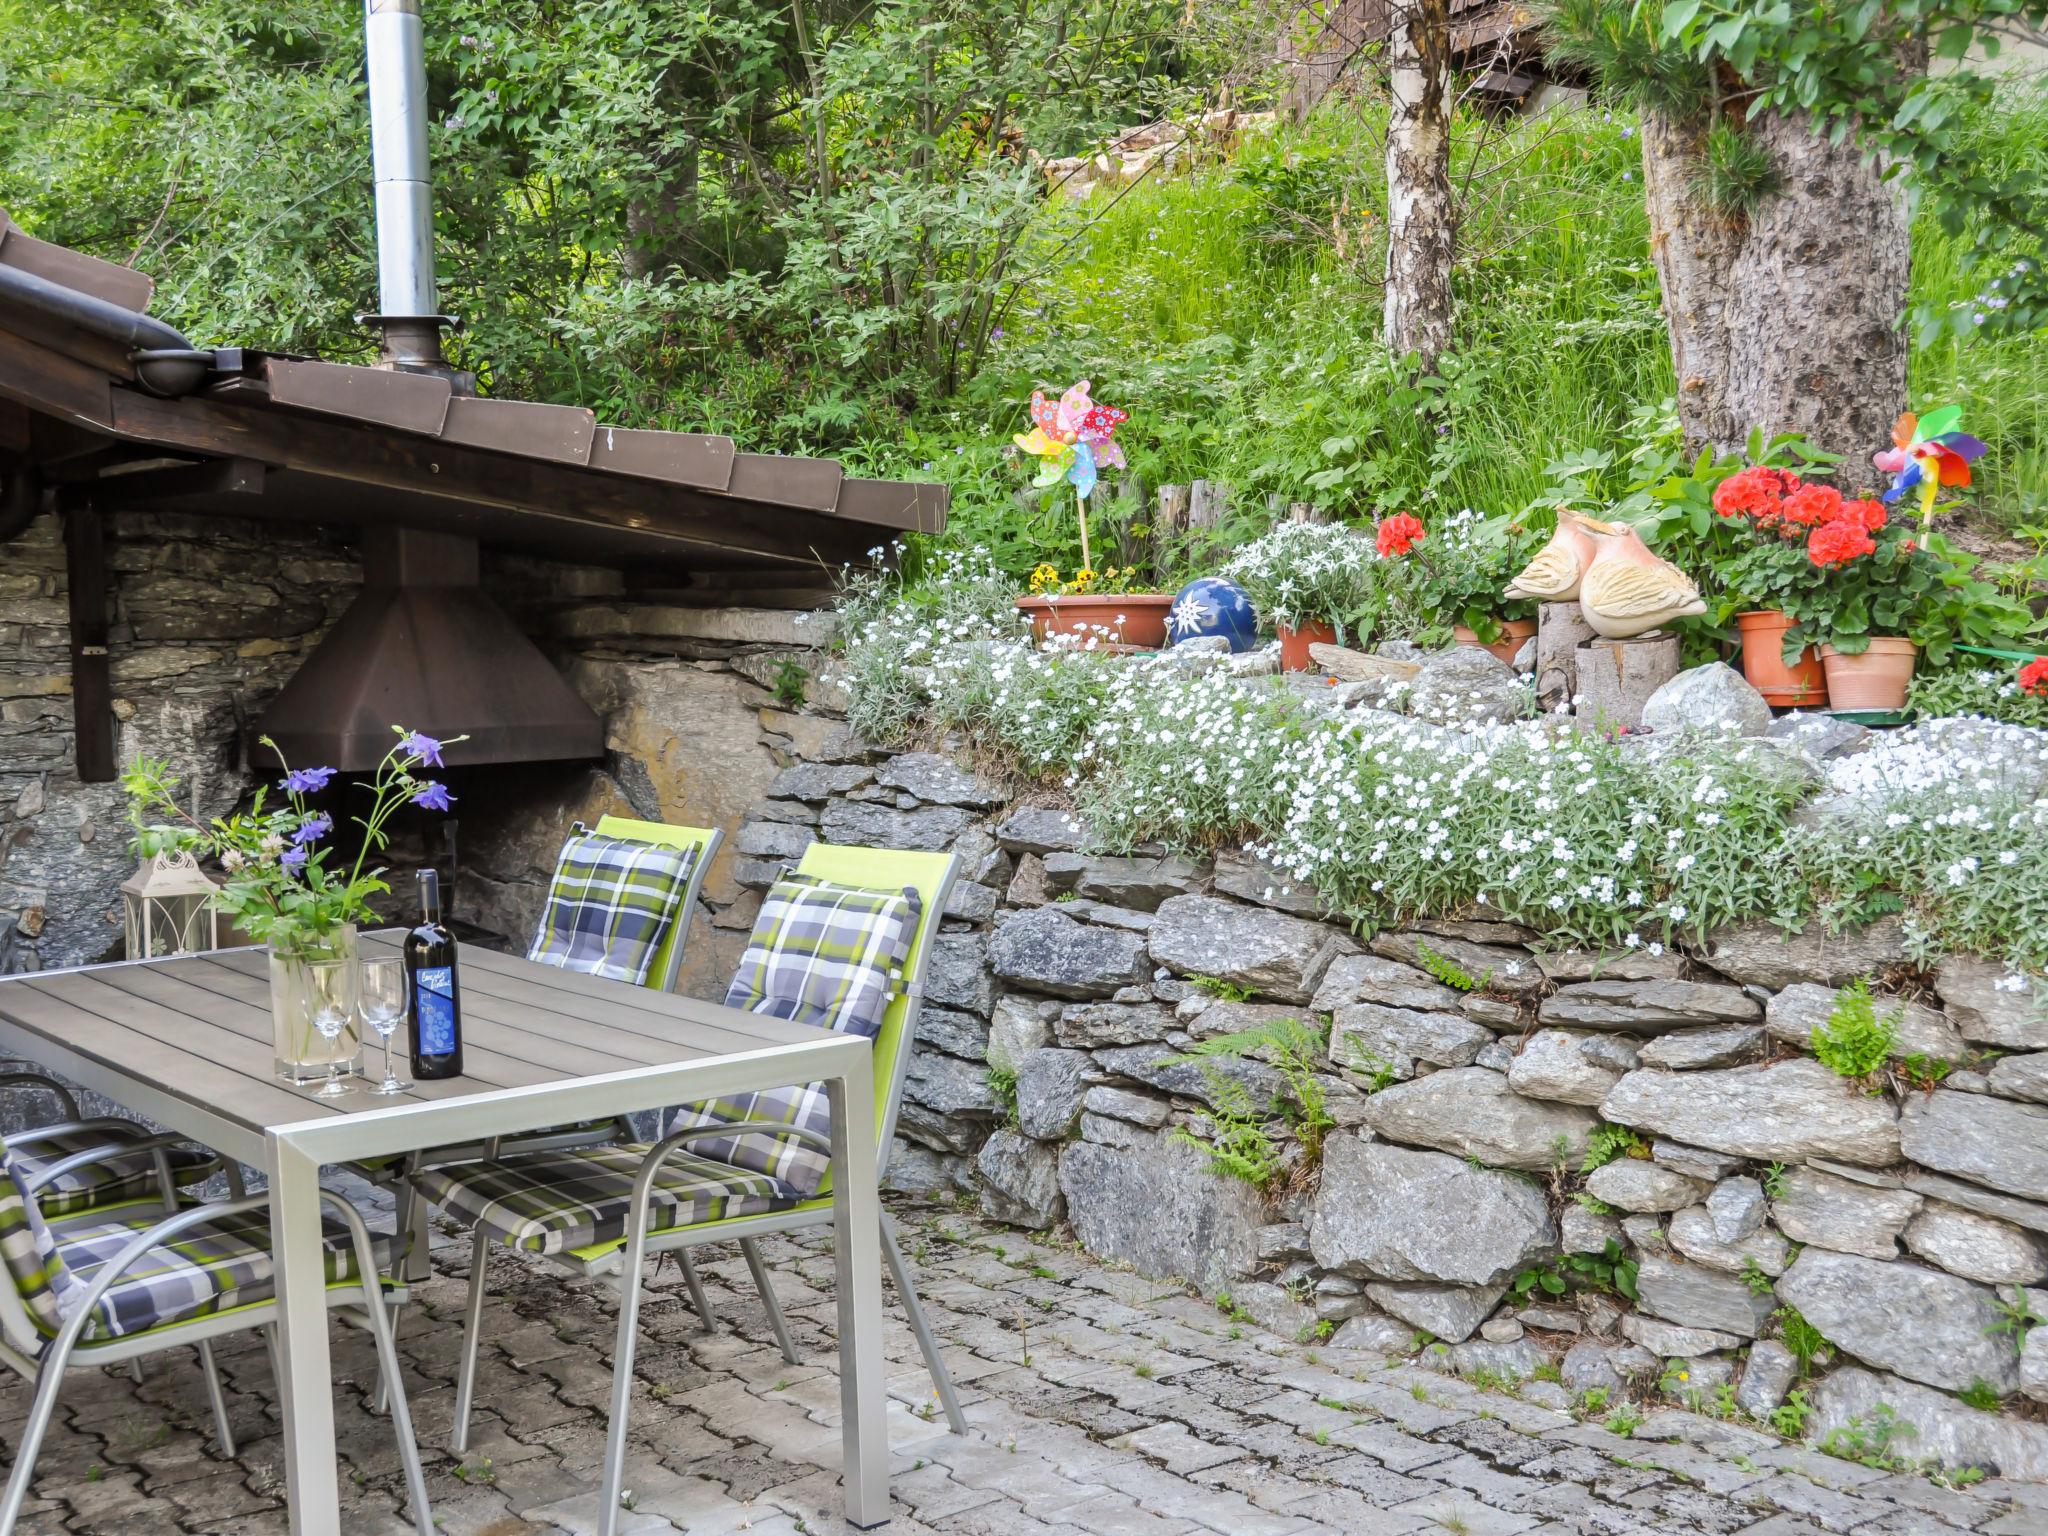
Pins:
x: 383, y: 1005
x: 331, y: 989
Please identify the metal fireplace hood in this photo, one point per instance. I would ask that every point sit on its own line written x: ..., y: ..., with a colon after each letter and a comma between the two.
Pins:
x: 424, y: 648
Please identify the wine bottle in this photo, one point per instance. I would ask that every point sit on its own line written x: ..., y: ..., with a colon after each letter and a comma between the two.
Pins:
x: 430, y: 989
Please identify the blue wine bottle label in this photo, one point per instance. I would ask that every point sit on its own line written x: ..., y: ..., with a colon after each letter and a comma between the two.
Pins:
x: 434, y: 1007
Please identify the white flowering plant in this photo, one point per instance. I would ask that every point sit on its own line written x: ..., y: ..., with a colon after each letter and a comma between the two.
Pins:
x: 1632, y: 842
x: 1311, y: 573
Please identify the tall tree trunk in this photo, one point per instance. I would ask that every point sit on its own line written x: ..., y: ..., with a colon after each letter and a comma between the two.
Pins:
x: 660, y: 227
x: 1421, y: 217
x: 1787, y: 317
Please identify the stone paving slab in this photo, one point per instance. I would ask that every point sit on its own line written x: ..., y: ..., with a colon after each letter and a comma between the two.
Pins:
x: 1099, y: 1404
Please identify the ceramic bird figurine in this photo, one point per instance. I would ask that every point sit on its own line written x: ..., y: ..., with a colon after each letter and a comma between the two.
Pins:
x: 1554, y: 575
x: 1627, y: 591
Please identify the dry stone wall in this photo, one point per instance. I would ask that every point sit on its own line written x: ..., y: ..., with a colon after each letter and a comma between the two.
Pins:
x: 1471, y: 1078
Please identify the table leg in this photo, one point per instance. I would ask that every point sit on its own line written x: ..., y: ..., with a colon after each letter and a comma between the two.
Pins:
x: 306, y: 1380
x: 857, y: 1214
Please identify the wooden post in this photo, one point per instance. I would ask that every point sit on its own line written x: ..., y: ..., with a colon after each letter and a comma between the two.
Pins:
x: 1170, y: 525
x: 1304, y: 512
x: 92, y: 690
x: 1617, y: 677
x: 1208, y: 500
x: 1560, y: 630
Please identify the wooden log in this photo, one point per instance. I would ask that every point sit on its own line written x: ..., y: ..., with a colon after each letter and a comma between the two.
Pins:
x: 1169, y: 525
x: 1208, y: 500
x: 1305, y: 512
x: 1355, y: 666
x: 1617, y: 677
x: 1560, y: 630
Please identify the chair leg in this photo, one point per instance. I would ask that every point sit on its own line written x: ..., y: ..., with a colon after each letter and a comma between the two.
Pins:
x: 215, y: 1396
x: 920, y: 1325
x: 751, y: 1247
x: 380, y: 1399
x: 611, y: 1488
x: 135, y: 1370
x: 44, y: 1408
x: 384, y: 1329
x: 472, y: 1336
x: 706, y: 1319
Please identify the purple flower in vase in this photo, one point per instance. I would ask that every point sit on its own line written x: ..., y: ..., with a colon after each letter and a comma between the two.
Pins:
x: 313, y: 828
x: 307, y: 781
x: 422, y: 746
x: 433, y: 796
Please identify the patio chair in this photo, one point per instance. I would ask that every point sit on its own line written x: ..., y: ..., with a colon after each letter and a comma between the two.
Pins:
x: 125, y: 1170
x: 611, y: 911
x: 844, y: 943
x: 114, y: 1285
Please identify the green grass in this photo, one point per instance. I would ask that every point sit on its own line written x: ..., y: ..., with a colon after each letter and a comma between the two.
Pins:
x: 1235, y: 313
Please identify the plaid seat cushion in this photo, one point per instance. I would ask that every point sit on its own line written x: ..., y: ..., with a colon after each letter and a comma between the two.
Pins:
x: 201, y: 1271
x: 126, y: 1176
x: 610, y: 905
x: 823, y: 954
x: 551, y: 1202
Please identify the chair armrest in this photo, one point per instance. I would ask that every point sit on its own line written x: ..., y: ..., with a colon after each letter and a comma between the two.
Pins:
x: 802, y: 1133
x: 112, y: 1125
x: 90, y: 1155
x: 48, y: 1084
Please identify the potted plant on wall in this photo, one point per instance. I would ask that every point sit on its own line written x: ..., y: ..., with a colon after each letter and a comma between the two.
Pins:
x: 1102, y: 604
x: 1462, y: 567
x: 1072, y: 438
x: 1312, y: 581
x: 1856, y: 588
x: 1771, y: 575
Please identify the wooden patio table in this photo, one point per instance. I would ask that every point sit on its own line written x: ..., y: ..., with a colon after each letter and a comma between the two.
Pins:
x: 187, y: 1042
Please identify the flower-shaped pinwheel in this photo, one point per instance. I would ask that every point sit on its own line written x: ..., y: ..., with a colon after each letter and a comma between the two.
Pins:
x: 1075, y: 436
x: 1929, y: 452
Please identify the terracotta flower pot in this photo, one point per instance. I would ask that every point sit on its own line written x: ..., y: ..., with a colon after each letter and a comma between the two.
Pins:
x: 1134, y: 619
x: 1514, y: 634
x: 1874, y: 680
x: 1803, y: 685
x: 1294, y: 644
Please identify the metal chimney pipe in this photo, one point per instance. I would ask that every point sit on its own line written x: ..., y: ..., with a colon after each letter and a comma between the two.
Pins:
x: 395, y: 49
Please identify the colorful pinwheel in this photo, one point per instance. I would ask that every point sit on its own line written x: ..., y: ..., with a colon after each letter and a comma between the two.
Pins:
x: 1929, y: 452
x: 1075, y: 436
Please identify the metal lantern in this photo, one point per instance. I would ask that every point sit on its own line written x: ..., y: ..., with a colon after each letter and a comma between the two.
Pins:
x: 167, y: 908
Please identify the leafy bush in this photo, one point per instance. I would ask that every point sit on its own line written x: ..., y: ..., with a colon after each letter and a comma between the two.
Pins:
x: 1855, y: 1042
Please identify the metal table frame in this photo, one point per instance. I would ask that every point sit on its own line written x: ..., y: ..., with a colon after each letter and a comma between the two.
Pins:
x: 292, y: 1154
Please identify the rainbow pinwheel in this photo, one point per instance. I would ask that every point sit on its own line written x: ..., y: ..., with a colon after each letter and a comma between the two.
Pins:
x: 1075, y: 436
x: 1929, y: 452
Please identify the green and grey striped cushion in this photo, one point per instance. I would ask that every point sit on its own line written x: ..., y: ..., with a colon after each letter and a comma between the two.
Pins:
x: 112, y: 1180
x: 552, y: 1202
x: 202, y: 1270
x: 823, y: 954
x: 610, y: 905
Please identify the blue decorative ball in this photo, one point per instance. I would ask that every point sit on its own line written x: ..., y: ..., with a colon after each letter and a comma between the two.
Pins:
x: 1209, y: 605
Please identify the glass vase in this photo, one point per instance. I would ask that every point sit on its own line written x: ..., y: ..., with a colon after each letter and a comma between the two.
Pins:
x: 304, y: 1055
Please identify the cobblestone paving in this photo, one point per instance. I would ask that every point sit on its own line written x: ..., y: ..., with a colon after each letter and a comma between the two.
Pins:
x: 1100, y: 1403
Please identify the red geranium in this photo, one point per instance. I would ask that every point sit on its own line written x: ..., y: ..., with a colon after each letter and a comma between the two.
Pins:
x: 1397, y: 535
x: 1867, y: 515
x: 1757, y: 492
x: 2033, y: 677
x: 1811, y: 505
x: 1838, y: 543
